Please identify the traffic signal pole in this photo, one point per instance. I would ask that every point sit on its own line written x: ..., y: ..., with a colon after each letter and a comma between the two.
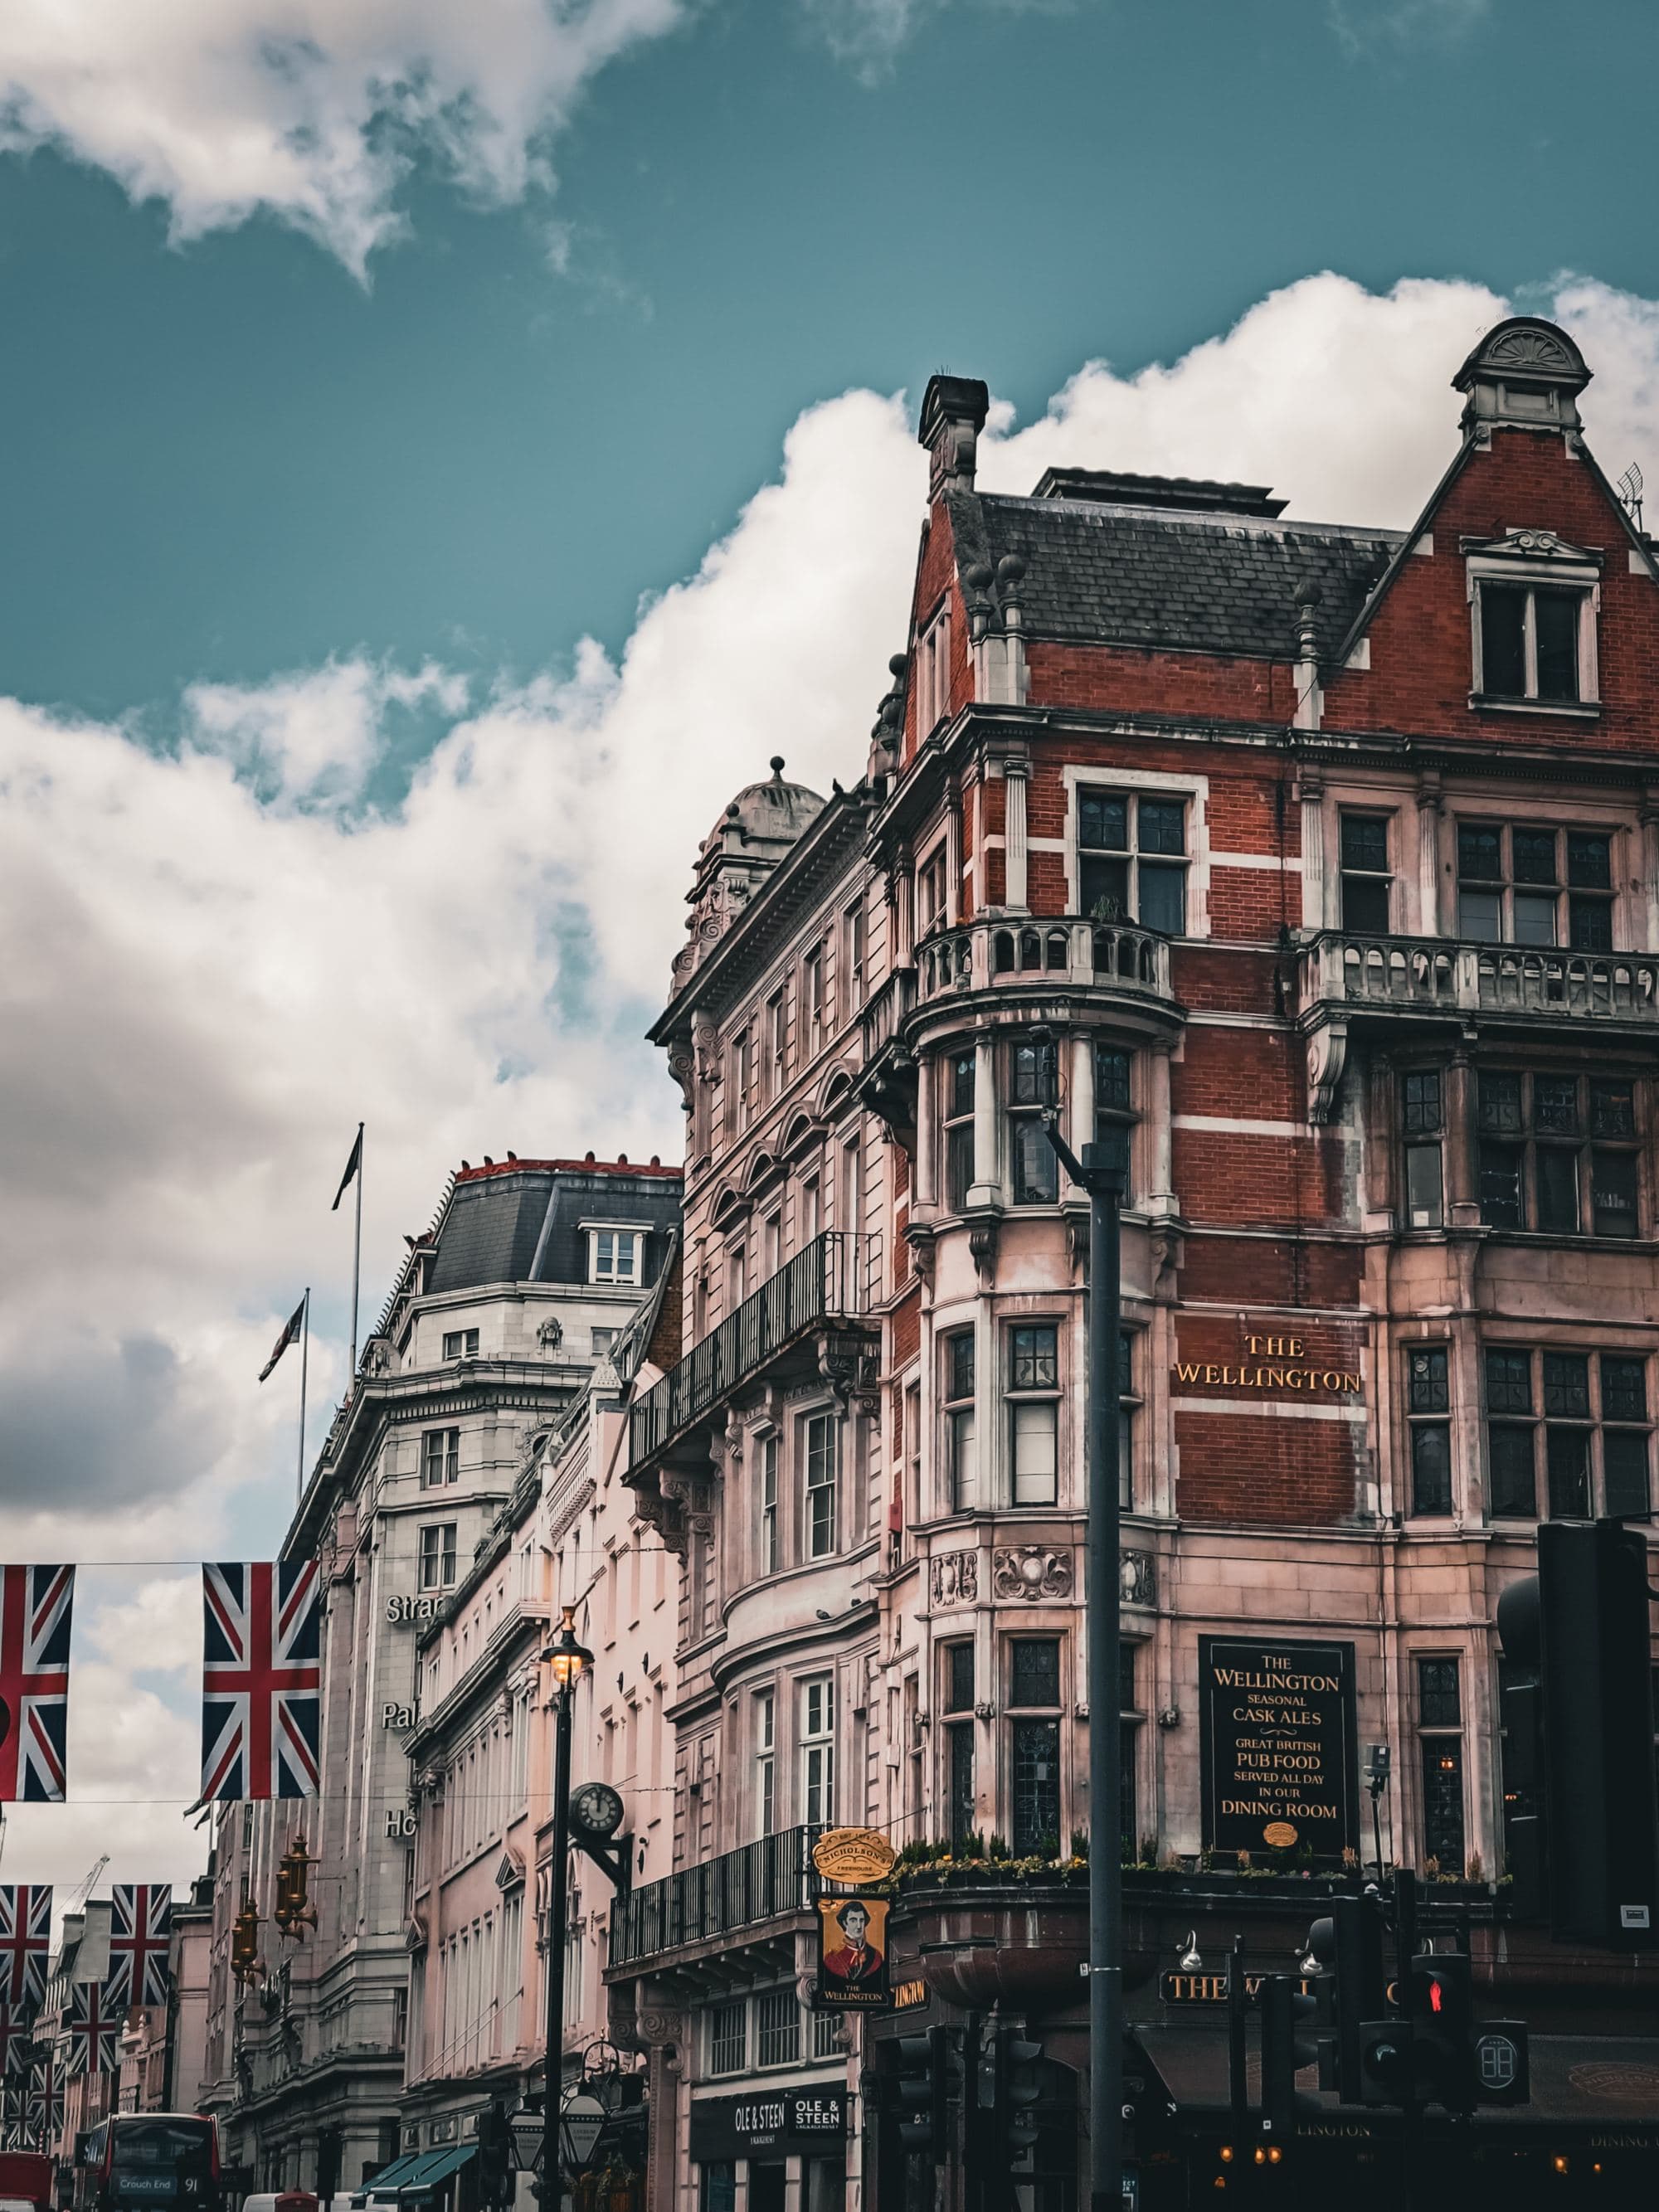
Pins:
x: 1103, y: 1182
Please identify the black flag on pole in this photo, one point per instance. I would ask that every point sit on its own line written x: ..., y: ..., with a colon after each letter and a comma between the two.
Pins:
x: 352, y: 1167
x: 290, y: 1335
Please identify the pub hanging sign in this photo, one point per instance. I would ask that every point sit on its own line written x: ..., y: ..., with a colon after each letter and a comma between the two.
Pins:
x: 1277, y: 1743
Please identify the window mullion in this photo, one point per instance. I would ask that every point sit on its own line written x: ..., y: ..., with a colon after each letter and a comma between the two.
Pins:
x: 1529, y: 643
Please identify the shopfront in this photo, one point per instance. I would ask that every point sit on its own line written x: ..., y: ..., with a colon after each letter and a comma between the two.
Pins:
x: 767, y: 2140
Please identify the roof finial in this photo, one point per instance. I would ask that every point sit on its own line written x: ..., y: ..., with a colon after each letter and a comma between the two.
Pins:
x: 777, y: 768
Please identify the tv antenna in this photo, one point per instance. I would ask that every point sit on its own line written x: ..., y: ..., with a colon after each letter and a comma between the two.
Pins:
x: 1629, y: 488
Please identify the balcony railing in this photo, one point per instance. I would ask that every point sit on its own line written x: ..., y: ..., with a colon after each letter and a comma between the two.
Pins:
x: 835, y: 1278
x: 887, y: 1011
x: 1435, y: 974
x: 994, y: 955
x: 737, y: 1890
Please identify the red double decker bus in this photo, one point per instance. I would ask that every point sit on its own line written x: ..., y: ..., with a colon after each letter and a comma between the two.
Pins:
x: 133, y: 2160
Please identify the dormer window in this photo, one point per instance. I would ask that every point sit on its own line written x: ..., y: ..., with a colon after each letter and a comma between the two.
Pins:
x: 1529, y: 643
x: 1533, y: 603
x: 614, y: 1255
x: 934, y: 672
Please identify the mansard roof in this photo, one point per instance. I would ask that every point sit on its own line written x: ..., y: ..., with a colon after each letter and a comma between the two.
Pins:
x: 521, y: 1221
x: 1209, y: 578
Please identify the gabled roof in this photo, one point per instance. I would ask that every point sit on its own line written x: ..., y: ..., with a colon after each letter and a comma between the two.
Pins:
x: 1104, y: 572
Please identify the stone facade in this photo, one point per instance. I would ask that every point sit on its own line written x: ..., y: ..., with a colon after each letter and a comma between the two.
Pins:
x: 529, y: 1272
x: 1309, y: 870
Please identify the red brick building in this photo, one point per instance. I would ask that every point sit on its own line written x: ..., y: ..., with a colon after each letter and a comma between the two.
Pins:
x: 1314, y: 867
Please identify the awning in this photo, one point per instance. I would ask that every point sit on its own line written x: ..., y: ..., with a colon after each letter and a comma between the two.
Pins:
x: 385, y: 2182
x: 1582, y: 2080
x: 433, y: 2167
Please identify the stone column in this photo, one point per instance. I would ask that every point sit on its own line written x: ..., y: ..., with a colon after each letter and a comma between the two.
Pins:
x: 1428, y: 857
x: 1014, y: 846
x: 1463, y: 1193
x: 987, y: 1188
x: 953, y: 902
x: 1646, y: 918
x: 663, y: 2034
x: 924, y: 1189
x: 1311, y: 792
x: 904, y: 906
x: 1160, y: 1195
x: 1080, y: 1119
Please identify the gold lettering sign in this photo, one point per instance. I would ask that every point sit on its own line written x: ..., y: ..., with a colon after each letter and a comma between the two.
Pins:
x: 1279, y: 1366
x: 854, y: 1854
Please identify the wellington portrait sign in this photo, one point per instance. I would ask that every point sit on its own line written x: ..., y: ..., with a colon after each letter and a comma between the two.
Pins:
x: 1276, y: 1731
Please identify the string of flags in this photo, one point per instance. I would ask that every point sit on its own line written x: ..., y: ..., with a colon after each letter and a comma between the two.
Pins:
x: 38, y: 2054
x: 261, y: 1680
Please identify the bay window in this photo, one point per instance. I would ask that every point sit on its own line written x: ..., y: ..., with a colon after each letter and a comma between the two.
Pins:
x: 1033, y: 1398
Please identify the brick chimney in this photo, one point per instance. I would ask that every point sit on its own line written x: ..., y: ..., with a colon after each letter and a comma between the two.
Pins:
x: 953, y: 411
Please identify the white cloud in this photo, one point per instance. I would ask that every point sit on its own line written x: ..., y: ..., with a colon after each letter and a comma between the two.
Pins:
x: 227, y: 957
x: 1338, y: 397
x: 135, y: 1765
x: 312, y: 109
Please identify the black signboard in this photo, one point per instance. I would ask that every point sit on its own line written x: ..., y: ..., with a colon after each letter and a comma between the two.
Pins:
x: 774, y: 2121
x: 1277, y: 1739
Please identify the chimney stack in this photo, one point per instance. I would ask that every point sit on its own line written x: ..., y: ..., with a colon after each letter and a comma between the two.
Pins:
x: 953, y: 411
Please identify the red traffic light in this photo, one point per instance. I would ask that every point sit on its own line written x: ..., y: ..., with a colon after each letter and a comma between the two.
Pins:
x: 1436, y: 1995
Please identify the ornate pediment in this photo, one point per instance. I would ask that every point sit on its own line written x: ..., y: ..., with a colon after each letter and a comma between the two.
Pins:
x: 1532, y: 545
x: 509, y: 1874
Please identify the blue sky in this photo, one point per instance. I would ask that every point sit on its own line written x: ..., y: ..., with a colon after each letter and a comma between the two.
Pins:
x: 232, y: 457
x: 425, y: 506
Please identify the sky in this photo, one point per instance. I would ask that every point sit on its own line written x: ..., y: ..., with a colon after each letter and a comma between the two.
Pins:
x: 449, y: 451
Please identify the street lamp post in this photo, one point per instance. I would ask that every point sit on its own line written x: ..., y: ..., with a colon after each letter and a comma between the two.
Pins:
x: 1102, y: 1178
x: 567, y: 1658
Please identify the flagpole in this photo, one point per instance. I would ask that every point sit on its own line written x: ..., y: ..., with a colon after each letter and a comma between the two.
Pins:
x: 305, y: 1349
x: 356, y: 1264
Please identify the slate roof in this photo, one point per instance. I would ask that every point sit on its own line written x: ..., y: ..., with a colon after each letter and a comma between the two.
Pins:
x: 493, y: 1227
x: 1205, y: 582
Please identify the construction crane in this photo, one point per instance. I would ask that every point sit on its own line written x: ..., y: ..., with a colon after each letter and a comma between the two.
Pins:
x: 86, y: 1888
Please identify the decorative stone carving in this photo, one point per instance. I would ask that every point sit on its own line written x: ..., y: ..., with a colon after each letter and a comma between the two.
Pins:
x: 1328, y: 1053
x: 682, y: 1487
x: 983, y: 1238
x: 570, y: 1513
x: 846, y: 1362
x: 550, y: 1333
x: 920, y: 1236
x: 953, y: 1578
x: 1138, y: 1577
x: 1031, y: 1572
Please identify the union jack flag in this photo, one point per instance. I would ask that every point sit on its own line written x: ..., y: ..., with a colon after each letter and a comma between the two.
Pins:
x: 17, y: 2041
x: 141, y: 1925
x: 34, y: 1657
x: 13, y: 2117
x: 46, y: 2104
x: 25, y: 1943
x: 94, y: 2026
x: 260, y: 1676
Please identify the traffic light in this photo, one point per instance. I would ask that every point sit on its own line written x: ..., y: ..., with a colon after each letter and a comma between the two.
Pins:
x: 494, y: 2154
x: 1022, y: 2088
x: 293, y: 1911
x: 921, y: 2092
x: 1287, y: 2017
x: 1386, y: 2065
x: 1590, y: 1836
x: 245, y: 1963
x: 1347, y: 1945
x: 1439, y: 2004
